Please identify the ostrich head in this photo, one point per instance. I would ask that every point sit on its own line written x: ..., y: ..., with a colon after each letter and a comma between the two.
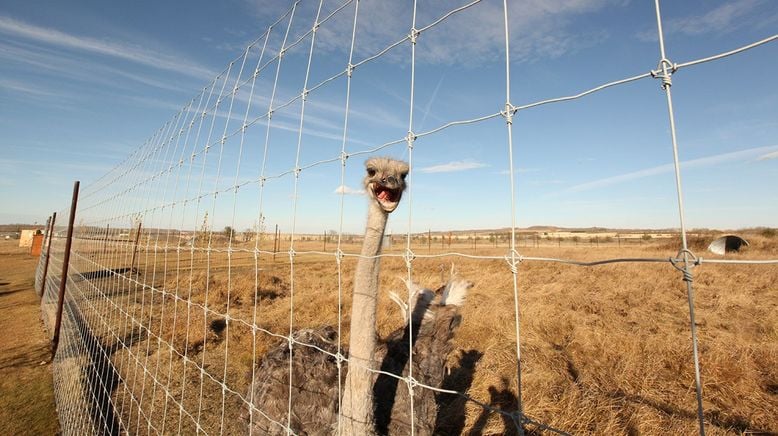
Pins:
x: 385, y: 181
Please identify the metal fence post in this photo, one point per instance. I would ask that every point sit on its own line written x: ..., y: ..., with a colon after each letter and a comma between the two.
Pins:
x: 64, y: 279
x: 105, y: 240
x: 135, y: 247
x: 48, y: 253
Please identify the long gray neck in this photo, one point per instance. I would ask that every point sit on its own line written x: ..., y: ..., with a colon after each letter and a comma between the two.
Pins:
x: 358, y: 406
x: 374, y: 233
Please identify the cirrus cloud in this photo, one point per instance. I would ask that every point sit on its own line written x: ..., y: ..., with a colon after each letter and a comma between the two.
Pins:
x: 450, y: 167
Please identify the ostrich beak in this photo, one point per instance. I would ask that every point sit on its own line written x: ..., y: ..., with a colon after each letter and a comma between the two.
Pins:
x: 387, y: 196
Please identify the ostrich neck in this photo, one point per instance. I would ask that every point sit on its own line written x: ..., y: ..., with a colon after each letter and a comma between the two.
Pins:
x: 374, y: 232
x: 358, y: 395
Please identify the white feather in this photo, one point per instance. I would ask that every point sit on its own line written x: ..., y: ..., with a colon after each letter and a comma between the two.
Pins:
x: 455, y: 292
x: 416, y: 294
x: 401, y: 304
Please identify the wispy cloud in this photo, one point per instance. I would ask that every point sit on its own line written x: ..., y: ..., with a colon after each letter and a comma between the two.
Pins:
x: 23, y: 88
x: 343, y: 189
x: 537, y: 29
x: 450, y: 167
x: 725, y: 18
x: 132, y: 53
x: 718, y: 159
x: 52, y: 63
x: 768, y: 156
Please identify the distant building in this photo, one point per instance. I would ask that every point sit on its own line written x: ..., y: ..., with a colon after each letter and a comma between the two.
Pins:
x: 25, y: 240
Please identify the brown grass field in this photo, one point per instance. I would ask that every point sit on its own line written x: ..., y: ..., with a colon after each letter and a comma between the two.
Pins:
x: 604, y: 349
x: 26, y: 395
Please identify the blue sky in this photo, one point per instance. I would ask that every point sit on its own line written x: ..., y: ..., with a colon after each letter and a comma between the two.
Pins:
x: 83, y: 84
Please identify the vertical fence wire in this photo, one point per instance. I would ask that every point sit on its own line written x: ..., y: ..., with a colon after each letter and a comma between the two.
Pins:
x: 513, y: 258
x: 412, y: 38
x: 665, y: 69
x: 341, y: 208
x: 295, y: 201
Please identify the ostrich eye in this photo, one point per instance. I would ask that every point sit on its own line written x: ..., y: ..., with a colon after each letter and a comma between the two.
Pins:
x: 404, y: 175
x: 371, y: 172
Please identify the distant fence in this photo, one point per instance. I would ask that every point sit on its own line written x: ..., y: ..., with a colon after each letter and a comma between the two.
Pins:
x: 156, y: 291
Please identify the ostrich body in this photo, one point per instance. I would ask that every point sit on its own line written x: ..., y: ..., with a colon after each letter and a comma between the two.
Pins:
x: 369, y: 405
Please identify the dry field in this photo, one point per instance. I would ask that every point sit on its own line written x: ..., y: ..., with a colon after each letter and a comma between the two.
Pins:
x: 26, y: 397
x: 604, y: 350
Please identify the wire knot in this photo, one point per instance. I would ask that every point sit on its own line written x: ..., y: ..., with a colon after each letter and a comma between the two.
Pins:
x: 412, y: 383
x: 514, y: 258
x: 350, y: 69
x: 684, y: 252
x: 414, y: 35
x: 664, y: 71
x: 508, y: 112
x: 339, y: 359
x: 409, y: 139
x: 304, y: 94
x: 292, y: 254
x: 408, y: 257
x: 689, y: 260
x: 339, y: 256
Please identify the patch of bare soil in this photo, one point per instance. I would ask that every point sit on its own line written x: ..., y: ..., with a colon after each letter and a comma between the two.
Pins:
x: 26, y: 393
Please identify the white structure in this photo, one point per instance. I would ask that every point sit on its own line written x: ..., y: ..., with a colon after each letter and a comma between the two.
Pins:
x: 26, y: 238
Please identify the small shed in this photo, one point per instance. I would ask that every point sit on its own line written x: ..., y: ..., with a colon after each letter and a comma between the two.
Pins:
x: 727, y: 244
x: 37, y: 243
x: 25, y: 240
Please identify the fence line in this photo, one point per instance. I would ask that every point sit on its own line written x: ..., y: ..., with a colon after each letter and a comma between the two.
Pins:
x: 126, y: 367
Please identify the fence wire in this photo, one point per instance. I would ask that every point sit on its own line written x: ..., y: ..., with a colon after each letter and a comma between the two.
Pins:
x: 157, y: 300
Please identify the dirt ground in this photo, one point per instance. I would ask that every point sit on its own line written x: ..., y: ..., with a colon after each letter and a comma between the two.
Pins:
x: 26, y: 394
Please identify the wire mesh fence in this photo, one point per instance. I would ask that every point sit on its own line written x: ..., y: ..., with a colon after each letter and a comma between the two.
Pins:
x: 173, y: 315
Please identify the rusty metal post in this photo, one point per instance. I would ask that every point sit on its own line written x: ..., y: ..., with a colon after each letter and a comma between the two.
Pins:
x: 135, y: 248
x: 48, y: 253
x: 64, y: 279
x: 276, y: 246
x: 105, y: 240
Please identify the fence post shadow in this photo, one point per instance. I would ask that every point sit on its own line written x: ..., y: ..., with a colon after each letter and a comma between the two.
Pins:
x: 505, y: 400
x: 451, y: 407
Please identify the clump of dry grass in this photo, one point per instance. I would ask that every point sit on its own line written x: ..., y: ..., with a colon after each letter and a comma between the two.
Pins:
x: 604, y: 349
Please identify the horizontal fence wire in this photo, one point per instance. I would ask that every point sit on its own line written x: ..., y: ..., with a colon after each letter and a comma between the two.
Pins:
x: 167, y: 328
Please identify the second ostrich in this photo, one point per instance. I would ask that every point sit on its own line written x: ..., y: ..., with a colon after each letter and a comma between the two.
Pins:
x: 368, y: 405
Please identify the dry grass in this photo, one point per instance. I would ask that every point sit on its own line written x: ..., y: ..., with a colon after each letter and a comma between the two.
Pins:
x: 604, y: 350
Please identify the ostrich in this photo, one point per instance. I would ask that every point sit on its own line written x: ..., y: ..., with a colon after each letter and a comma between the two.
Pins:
x: 369, y: 405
